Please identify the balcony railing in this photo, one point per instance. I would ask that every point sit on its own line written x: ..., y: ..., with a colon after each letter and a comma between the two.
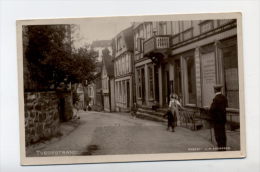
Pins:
x: 155, y: 43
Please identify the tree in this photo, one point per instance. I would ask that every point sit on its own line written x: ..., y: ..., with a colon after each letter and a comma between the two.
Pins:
x: 51, y: 60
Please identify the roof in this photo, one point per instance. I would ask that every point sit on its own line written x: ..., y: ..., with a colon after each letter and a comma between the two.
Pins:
x: 128, y: 36
x: 107, y: 60
x: 101, y: 43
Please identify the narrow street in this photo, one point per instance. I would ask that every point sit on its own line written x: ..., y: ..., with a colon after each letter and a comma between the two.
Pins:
x: 100, y: 133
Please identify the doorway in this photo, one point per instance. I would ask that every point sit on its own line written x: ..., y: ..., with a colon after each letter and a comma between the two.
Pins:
x: 143, y: 85
x: 177, y: 78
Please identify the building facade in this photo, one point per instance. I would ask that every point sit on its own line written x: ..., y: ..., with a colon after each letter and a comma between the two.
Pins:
x: 107, y: 76
x: 186, y: 58
x: 123, y: 69
x: 94, y: 89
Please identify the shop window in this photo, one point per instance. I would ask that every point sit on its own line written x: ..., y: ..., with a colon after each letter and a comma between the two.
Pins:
x: 231, y: 76
x: 191, y: 81
x: 151, y: 82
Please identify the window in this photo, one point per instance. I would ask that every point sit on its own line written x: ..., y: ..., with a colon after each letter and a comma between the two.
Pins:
x: 187, y: 34
x: 223, y: 22
x: 123, y: 92
x: 117, y: 68
x: 123, y: 66
x: 120, y: 91
x: 119, y: 44
x: 139, y: 83
x: 175, y: 27
x: 162, y: 28
x: 140, y: 42
x: 206, y: 26
x: 190, y: 81
x: 187, y: 25
x: 231, y: 76
x: 127, y: 63
x: 149, y: 30
x: 151, y: 86
x: 136, y: 40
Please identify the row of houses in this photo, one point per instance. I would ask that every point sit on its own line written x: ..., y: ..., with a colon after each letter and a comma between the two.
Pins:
x: 151, y: 60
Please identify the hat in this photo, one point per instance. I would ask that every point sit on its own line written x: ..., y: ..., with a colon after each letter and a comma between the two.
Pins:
x: 218, y: 86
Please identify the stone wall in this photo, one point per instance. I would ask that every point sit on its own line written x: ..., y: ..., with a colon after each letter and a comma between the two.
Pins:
x: 41, y: 116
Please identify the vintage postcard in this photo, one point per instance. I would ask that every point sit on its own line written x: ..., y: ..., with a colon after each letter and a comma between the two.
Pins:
x: 132, y: 88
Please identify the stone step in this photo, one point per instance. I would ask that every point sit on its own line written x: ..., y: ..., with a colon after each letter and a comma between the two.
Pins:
x: 150, y: 117
x: 151, y: 112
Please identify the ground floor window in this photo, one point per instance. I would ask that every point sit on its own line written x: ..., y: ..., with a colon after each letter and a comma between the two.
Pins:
x: 139, y: 83
x: 151, y: 81
x: 190, y: 80
x: 123, y: 92
x: 230, y: 60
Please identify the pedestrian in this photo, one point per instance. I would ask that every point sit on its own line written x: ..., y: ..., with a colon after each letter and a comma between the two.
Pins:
x: 175, y: 106
x: 76, y: 110
x: 134, y: 110
x: 218, y: 116
x: 170, y: 119
x: 173, y: 112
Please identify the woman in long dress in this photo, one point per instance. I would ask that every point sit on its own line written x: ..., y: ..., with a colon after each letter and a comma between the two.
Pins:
x: 174, y: 106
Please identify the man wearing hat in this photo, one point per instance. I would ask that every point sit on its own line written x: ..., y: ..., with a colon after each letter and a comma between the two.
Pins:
x: 218, y: 114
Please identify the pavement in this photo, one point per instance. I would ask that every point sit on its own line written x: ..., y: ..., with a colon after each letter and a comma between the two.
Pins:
x: 102, y: 133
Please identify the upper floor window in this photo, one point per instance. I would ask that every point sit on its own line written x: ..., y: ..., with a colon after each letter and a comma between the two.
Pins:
x: 175, y: 27
x: 188, y: 34
x: 119, y: 44
x: 149, y: 30
x: 162, y: 28
x: 190, y: 80
x: 223, y: 22
x: 206, y: 26
x: 187, y: 25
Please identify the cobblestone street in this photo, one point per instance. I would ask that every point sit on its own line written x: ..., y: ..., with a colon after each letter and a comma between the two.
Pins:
x: 99, y: 133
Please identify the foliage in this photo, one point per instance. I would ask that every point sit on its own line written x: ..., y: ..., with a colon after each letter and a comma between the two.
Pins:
x: 75, y: 97
x: 51, y: 60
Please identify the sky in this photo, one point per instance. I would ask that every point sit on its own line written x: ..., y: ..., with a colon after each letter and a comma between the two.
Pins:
x: 88, y: 31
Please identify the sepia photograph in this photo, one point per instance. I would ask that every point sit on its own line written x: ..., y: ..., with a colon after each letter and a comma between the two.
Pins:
x: 137, y: 88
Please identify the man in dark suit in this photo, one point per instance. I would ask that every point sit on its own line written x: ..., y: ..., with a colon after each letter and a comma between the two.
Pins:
x: 218, y: 114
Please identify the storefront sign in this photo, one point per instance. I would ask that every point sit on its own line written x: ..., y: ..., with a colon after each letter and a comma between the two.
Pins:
x: 208, y: 77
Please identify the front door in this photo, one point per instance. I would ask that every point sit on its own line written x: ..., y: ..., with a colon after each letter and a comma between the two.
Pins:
x: 156, y: 83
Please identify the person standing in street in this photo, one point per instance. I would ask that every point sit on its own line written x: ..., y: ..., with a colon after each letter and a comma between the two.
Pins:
x: 218, y: 115
x: 173, y: 112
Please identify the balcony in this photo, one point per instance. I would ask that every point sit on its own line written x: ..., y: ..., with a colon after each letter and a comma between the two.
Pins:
x: 158, y: 43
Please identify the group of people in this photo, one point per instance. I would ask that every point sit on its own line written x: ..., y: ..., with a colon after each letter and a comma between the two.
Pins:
x: 217, y: 112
